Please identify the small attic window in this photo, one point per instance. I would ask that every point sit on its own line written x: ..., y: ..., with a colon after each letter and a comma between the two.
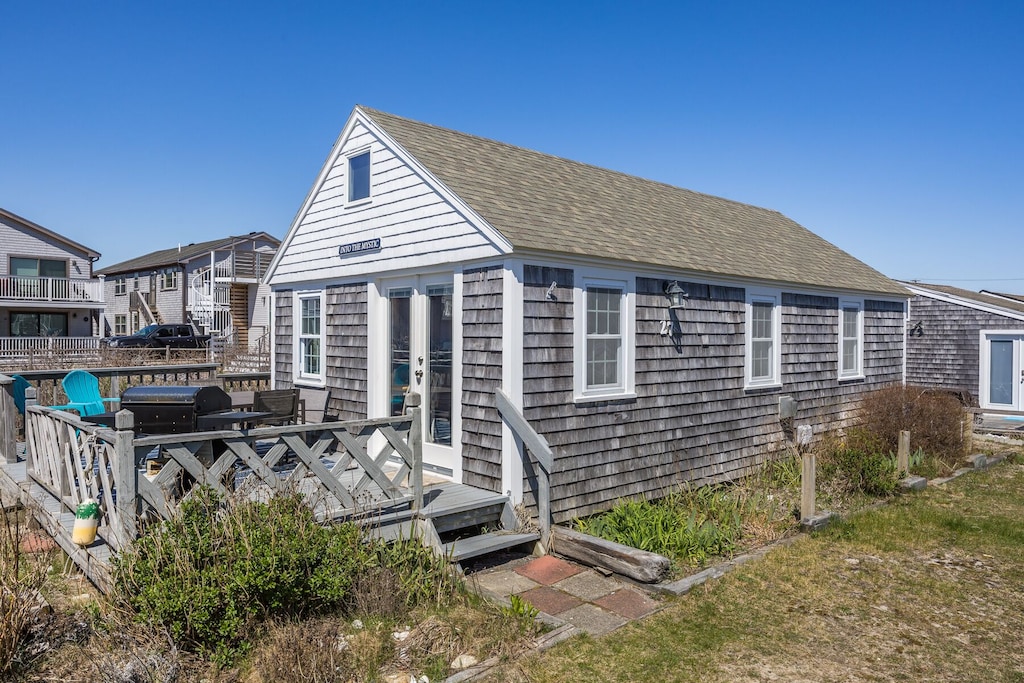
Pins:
x: 359, y: 177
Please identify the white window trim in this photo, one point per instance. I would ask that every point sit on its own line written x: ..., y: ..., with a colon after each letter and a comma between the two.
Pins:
x: 858, y: 372
x: 298, y: 373
x: 626, y: 389
x: 774, y: 297
x: 348, y: 177
x: 120, y: 286
x: 173, y: 274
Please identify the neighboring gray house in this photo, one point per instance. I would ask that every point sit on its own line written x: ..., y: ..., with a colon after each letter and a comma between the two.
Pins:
x: 49, y: 298
x: 969, y: 342
x: 213, y: 285
x: 432, y: 261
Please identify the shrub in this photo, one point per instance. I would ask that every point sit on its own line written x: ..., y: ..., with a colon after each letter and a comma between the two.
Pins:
x: 220, y: 566
x: 937, y: 422
x: 861, y: 462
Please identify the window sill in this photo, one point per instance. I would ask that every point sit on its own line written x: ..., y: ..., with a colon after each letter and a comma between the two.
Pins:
x: 851, y: 378
x: 359, y: 203
x: 767, y: 386
x: 307, y: 381
x: 599, y: 398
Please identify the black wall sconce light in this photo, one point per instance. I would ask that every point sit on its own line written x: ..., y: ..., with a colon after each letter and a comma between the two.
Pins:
x: 676, y: 295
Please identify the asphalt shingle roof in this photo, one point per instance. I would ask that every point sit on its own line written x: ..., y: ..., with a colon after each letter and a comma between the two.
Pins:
x: 538, y: 201
x: 987, y: 299
x: 169, y: 257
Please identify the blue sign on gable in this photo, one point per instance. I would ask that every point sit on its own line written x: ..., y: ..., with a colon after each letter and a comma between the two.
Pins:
x: 359, y: 247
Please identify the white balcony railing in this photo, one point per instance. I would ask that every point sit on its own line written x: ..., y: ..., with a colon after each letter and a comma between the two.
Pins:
x: 58, y: 289
x: 25, y: 345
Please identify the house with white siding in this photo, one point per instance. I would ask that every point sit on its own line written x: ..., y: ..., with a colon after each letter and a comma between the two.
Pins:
x: 50, y: 300
x: 651, y: 334
x: 215, y: 286
x: 968, y: 343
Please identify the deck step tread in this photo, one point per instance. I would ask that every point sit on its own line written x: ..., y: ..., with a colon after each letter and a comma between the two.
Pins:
x: 474, y: 546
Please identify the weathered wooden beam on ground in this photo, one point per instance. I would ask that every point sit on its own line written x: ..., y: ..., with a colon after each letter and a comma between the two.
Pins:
x: 640, y: 565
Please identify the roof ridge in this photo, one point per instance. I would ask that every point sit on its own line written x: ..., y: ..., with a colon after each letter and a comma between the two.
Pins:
x: 594, y: 167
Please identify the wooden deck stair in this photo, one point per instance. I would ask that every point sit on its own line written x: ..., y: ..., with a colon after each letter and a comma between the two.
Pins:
x: 460, y: 522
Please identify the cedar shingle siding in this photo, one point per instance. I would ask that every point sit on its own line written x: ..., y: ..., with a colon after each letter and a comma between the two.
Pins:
x: 692, y: 419
x: 946, y: 352
x: 283, y: 331
x: 481, y: 376
x: 346, y: 350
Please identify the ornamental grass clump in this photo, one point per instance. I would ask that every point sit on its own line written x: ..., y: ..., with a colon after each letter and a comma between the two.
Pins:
x: 687, y: 525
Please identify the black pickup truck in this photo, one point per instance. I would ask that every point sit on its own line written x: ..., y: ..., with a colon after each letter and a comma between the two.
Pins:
x: 160, y: 337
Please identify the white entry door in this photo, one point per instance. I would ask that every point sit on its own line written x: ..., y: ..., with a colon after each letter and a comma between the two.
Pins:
x: 420, y: 354
x: 1002, y: 371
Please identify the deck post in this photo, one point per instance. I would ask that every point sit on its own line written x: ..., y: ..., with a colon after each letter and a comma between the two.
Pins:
x: 416, y: 444
x: 8, y: 418
x: 125, y: 474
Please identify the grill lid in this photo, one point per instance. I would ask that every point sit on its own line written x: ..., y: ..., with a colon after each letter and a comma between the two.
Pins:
x: 203, y: 400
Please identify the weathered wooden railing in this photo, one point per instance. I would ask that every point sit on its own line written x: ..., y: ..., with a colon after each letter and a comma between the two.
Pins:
x: 344, y: 469
x: 537, y: 445
x: 114, y: 379
x: 8, y: 420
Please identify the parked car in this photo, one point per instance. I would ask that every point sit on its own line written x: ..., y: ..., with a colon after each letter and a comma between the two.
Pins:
x: 159, y: 337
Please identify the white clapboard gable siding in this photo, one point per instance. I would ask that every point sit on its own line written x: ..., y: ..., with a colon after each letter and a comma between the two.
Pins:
x: 419, y: 221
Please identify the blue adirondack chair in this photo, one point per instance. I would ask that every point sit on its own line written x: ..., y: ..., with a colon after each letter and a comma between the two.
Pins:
x: 18, y: 388
x: 83, y: 391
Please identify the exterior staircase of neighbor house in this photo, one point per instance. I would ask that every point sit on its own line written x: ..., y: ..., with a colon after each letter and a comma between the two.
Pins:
x: 238, y: 303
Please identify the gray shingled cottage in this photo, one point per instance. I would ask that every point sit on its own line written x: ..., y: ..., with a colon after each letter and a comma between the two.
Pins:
x: 432, y: 261
x: 968, y: 342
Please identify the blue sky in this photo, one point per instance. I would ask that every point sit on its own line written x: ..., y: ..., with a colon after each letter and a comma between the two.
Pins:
x: 893, y: 129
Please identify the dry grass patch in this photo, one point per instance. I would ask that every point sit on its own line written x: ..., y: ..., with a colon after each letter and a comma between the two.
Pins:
x: 929, y: 587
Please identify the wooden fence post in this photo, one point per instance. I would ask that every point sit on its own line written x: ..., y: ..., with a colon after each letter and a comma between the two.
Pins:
x: 808, y: 468
x: 125, y: 477
x: 903, y: 454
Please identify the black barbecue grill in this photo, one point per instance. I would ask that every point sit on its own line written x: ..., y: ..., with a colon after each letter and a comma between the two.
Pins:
x: 179, y: 410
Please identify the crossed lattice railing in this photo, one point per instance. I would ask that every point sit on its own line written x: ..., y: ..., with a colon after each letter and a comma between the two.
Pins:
x: 344, y: 469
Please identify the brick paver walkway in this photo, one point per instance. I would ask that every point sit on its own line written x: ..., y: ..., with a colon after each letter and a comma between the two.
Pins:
x: 569, y: 592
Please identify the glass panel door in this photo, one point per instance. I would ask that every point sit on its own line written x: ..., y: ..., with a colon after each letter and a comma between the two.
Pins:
x: 438, y: 400
x: 400, y: 336
x: 1001, y: 372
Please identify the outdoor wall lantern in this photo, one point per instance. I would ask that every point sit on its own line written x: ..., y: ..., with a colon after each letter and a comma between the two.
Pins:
x: 676, y: 296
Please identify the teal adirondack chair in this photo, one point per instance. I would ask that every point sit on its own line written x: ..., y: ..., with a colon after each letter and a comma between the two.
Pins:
x: 83, y: 391
x: 18, y: 388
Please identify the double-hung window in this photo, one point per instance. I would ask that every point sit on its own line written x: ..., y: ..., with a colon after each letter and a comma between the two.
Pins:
x: 120, y: 324
x: 604, y: 352
x: 169, y: 279
x: 851, y: 339
x: 763, y: 348
x: 310, y: 338
x: 121, y: 285
x: 359, y: 177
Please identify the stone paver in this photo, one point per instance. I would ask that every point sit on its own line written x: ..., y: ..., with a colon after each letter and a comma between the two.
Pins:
x: 504, y: 582
x: 588, y: 585
x: 592, y: 619
x: 547, y: 570
x: 550, y: 600
x: 628, y: 603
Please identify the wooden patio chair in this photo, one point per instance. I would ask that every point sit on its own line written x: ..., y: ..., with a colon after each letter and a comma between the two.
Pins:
x: 283, y: 403
x: 83, y: 391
